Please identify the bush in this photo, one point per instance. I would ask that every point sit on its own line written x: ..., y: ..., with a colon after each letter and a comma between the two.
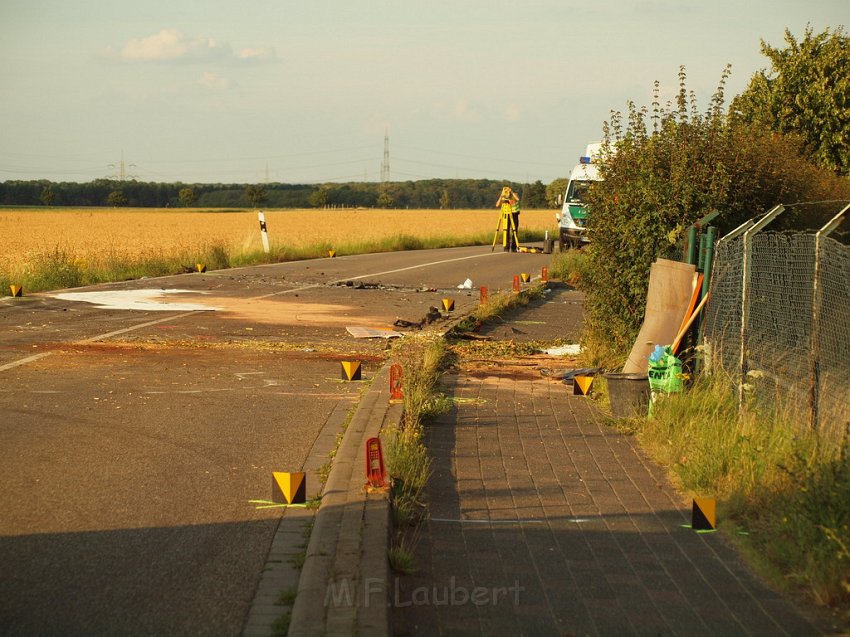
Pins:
x: 660, y: 179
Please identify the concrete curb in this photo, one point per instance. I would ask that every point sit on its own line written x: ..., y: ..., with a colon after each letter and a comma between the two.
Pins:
x: 280, y: 572
x: 345, y: 582
x: 346, y: 558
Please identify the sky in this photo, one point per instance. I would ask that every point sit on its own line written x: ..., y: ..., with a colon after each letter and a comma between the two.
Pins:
x: 254, y: 91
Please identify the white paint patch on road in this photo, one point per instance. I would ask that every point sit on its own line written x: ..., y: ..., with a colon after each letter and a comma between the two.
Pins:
x: 24, y: 361
x: 144, y: 300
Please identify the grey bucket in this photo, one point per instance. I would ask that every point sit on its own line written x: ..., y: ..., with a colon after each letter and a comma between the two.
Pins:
x: 628, y: 393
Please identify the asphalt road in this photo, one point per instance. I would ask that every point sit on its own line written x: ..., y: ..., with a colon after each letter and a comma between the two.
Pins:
x: 132, y: 439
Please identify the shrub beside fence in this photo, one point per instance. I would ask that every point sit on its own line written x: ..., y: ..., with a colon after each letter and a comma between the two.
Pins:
x: 779, y: 321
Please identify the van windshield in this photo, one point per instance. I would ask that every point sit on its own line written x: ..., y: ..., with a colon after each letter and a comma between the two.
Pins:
x: 577, y: 190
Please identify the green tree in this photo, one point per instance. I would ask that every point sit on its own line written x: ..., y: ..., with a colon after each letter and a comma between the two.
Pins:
x: 47, y: 196
x: 805, y: 92
x: 385, y: 200
x: 555, y: 192
x: 256, y: 195
x: 534, y: 195
x: 320, y: 197
x: 117, y: 199
x: 187, y: 197
x: 657, y: 181
x: 445, y: 199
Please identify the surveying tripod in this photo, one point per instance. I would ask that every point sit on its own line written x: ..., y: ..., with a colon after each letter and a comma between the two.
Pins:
x: 507, y: 228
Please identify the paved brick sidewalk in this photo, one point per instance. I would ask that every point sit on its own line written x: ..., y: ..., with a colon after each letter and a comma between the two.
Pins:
x: 545, y: 521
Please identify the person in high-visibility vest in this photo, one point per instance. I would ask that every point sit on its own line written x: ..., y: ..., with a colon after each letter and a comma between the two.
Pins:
x: 508, y: 202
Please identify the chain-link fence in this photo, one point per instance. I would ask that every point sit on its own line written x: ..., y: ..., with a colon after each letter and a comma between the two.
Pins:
x: 778, y: 321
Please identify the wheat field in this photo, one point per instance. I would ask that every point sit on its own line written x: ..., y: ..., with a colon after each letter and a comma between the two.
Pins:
x: 87, y: 240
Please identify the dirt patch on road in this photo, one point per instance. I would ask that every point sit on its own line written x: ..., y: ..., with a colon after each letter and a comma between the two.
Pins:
x: 287, y: 312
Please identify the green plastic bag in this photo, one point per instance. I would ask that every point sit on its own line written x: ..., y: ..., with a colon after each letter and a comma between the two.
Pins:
x: 665, y: 374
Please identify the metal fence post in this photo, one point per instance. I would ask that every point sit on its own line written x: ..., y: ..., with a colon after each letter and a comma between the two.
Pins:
x: 769, y: 216
x: 692, y: 245
x: 708, y: 262
x: 814, y: 357
x: 708, y: 344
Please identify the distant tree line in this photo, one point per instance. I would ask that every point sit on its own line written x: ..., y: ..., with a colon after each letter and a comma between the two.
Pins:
x: 427, y: 193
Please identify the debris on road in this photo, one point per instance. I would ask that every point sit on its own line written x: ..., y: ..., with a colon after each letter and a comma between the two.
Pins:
x: 573, y: 349
x: 372, y: 332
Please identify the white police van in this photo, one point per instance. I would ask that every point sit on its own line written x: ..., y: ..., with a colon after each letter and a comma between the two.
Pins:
x: 572, y: 221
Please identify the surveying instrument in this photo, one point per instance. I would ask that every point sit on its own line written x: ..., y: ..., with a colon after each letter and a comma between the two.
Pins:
x: 509, y: 206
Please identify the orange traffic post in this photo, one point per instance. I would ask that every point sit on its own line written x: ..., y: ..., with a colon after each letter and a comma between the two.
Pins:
x: 376, y: 473
x: 396, y: 377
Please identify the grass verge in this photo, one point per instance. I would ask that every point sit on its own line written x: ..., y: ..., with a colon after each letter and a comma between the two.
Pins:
x: 569, y: 266
x: 408, y: 464
x: 62, y: 267
x: 780, y: 488
x: 422, y: 357
x: 497, y: 305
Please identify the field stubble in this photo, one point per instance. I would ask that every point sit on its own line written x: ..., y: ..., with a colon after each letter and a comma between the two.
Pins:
x: 53, y: 248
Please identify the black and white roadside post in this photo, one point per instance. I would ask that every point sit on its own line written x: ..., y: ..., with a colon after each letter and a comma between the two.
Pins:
x: 263, y: 231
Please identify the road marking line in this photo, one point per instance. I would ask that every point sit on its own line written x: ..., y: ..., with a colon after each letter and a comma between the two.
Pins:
x: 24, y: 361
x: 139, y: 326
x: 374, y: 274
x: 101, y: 337
x: 414, y: 267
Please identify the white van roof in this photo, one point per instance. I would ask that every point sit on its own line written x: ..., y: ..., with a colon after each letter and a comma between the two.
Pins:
x: 585, y: 172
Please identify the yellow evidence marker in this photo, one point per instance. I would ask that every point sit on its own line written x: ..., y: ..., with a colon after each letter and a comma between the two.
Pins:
x: 289, y: 488
x: 581, y: 385
x: 704, y: 514
x: 350, y: 370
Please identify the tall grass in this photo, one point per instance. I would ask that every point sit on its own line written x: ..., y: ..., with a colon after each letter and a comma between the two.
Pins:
x: 497, y: 305
x: 408, y: 463
x: 569, y: 266
x: 64, y: 267
x: 775, y: 480
x: 47, y: 249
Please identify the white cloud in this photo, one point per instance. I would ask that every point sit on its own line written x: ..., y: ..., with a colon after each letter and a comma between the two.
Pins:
x: 258, y: 54
x: 214, y: 81
x: 170, y: 45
